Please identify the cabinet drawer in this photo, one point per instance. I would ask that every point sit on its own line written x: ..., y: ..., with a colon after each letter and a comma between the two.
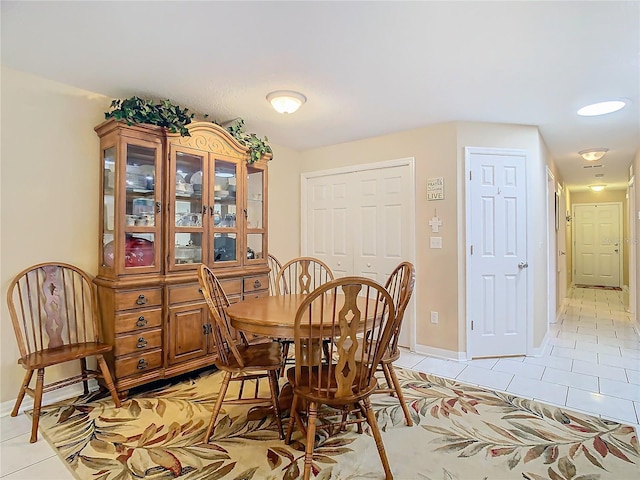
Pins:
x: 185, y: 293
x: 142, y: 319
x: 256, y: 294
x: 232, y: 286
x: 138, y: 342
x: 138, y: 363
x: 259, y: 282
x: 147, y: 297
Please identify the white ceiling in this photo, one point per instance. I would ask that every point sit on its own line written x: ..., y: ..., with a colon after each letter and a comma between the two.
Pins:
x: 367, y: 68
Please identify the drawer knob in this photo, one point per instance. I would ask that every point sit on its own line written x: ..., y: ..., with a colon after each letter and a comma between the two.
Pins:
x: 141, y: 343
x: 142, y: 364
x: 142, y: 300
x: 257, y: 284
x: 142, y: 322
x: 200, y: 291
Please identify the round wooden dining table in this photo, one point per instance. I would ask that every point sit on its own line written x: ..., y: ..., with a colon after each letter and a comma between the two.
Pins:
x: 272, y: 316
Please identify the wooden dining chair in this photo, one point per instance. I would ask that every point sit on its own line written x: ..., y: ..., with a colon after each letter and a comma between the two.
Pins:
x: 353, y: 310
x: 400, y: 286
x: 239, y: 362
x: 274, y: 268
x: 300, y: 275
x: 54, y: 313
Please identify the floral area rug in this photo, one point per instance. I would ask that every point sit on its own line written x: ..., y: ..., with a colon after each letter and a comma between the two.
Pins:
x: 461, y: 432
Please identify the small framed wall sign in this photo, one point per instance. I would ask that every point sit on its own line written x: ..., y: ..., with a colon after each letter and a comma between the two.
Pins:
x: 435, y: 188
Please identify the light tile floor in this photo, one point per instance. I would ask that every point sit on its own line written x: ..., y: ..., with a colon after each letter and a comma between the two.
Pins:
x: 592, y: 365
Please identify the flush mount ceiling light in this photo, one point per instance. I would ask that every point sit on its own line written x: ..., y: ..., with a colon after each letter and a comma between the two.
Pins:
x: 597, y: 188
x: 593, y: 154
x: 601, y: 108
x: 286, y: 101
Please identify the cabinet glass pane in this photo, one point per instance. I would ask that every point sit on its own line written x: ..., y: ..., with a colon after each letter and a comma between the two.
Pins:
x: 188, y: 248
x: 254, y: 246
x: 255, y: 183
x: 138, y: 251
x: 188, y: 201
x: 140, y: 186
x: 224, y: 192
x: 109, y: 172
x: 224, y: 247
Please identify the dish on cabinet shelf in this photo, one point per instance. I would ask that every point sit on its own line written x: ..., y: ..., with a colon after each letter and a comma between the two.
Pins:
x: 196, y: 178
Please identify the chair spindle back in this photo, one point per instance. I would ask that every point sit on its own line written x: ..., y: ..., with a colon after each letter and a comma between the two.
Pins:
x: 302, y: 275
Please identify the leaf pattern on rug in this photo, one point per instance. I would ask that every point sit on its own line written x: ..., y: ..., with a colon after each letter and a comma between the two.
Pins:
x: 468, y: 432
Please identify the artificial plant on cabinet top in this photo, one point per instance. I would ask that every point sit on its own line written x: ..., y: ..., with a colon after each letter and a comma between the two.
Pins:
x: 175, y: 119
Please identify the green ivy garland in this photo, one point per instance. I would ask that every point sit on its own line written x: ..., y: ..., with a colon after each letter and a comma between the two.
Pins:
x: 136, y: 110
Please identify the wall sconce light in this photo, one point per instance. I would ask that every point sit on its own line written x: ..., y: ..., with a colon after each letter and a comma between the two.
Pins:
x: 597, y: 188
x: 593, y: 154
x: 286, y: 101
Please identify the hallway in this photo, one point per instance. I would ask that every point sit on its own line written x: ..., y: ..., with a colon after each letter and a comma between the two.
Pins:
x: 591, y: 363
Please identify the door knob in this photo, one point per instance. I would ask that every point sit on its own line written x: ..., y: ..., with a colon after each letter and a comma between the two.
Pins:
x: 522, y: 265
x: 368, y: 264
x: 616, y: 250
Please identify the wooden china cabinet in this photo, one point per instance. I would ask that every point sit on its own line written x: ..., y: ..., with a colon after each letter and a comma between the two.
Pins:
x: 170, y: 203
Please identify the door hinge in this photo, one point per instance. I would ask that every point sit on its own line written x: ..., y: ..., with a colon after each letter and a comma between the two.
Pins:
x: 471, y: 249
x: 469, y: 174
x: 471, y: 324
x: 207, y: 328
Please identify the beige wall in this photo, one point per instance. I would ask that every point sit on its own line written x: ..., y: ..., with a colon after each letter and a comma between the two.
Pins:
x: 48, y: 197
x: 636, y: 225
x: 606, y: 196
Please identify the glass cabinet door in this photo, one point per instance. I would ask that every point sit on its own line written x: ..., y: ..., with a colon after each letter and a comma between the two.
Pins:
x: 142, y: 208
x: 189, y: 208
x: 226, y: 241
x: 255, y: 213
x: 132, y: 208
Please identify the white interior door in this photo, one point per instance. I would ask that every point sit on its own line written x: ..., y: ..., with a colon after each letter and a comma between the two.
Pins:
x: 597, y: 244
x: 497, y: 254
x: 561, y: 260
x: 359, y: 222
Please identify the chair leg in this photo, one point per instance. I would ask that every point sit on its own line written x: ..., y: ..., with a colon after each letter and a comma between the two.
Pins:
x: 23, y: 390
x: 285, y: 354
x: 398, y: 388
x: 37, y: 403
x: 371, y: 420
x: 292, y: 419
x: 216, y: 409
x: 108, y: 380
x: 387, y: 376
x: 311, y: 438
x: 83, y: 370
x: 273, y: 384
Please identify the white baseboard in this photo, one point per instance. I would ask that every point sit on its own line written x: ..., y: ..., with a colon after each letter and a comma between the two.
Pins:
x: 539, y: 351
x: 47, y: 398
x: 441, y: 353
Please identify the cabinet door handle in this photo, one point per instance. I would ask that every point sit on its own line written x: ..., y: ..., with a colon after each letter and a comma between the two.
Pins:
x: 200, y: 291
x: 257, y: 284
x: 142, y: 364
x: 141, y: 343
x: 158, y: 207
x: 142, y: 322
x: 141, y: 300
x: 204, y: 209
x: 211, y: 212
x: 246, y: 215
